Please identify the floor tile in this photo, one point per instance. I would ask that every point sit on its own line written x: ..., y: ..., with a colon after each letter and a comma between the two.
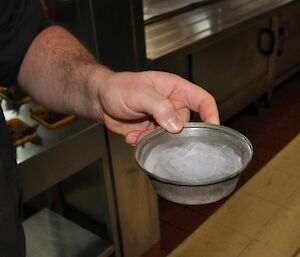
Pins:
x: 171, y: 237
x: 244, y: 213
x: 212, y: 240
x: 186, y: 220
x: 282, y: 232
x: 256, y: 249
x: 155, y: 251
x: 293, y: 202
x: 289, y: 160
x: 168, y: 209
x: 272, y: 184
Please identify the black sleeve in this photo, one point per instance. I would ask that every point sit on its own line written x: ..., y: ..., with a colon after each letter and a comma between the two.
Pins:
x: 20, y: 22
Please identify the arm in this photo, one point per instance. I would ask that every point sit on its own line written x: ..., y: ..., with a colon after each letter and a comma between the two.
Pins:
x: 56, y: 71
x: 61, y: 74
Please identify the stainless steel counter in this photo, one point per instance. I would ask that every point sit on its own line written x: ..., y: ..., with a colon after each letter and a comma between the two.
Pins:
x: 48, y: 138
x: 182, y: 34
x: 159, y: 9
x: 58, y: 153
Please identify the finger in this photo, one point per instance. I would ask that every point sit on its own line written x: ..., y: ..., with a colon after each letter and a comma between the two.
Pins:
x: 162, y: 110
x: 133, y: 137
x: 144, y: 133
x: 194, y: 97
x: 208, y: 110
x: 185, y: 114
x: 199, y: 100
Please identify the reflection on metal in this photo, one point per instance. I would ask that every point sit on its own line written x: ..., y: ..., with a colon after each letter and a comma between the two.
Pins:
x: 57, y: 153
x: 181, y: 34
x: 159, y: 9
x: 48, y: 138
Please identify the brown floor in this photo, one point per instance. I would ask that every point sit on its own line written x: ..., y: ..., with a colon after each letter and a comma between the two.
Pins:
x: 269, y: 130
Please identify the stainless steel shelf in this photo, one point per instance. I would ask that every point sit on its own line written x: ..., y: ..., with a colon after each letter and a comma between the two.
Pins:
x: 55, y: 156
x: 48, y: 137
x: 58, y: 153
x: 49, y: 234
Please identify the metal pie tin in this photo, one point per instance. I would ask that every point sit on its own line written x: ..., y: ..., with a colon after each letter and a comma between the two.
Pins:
x: 185, y: 191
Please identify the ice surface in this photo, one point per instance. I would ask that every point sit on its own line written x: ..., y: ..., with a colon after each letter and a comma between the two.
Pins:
x: 193, y: 162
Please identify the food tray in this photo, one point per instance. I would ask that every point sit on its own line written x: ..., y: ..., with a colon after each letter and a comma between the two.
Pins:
x: 14, y: 95
x: 21, y: 132
x: 50, y: 119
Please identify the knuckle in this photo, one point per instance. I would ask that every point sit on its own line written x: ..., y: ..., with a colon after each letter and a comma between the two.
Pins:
x: 163, y: 107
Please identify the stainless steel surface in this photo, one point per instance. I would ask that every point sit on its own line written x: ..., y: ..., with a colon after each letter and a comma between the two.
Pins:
x: 155, y: 8
x: 58, y: 153
x: 49, y: 234
x: 182, y: 34
x: 187, y: 192
x: 48, y: 137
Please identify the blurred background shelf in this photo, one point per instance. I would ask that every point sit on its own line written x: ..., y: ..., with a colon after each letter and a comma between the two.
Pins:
x: 49, y: 234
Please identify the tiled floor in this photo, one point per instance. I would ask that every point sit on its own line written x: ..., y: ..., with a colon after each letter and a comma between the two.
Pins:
x: 269, y: 130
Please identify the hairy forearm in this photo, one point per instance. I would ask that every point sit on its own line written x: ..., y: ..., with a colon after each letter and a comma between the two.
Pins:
x: 57, y: 72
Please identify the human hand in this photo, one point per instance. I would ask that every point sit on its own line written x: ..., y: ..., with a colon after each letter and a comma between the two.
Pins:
x: 135, y: 103
x: 129, y: 103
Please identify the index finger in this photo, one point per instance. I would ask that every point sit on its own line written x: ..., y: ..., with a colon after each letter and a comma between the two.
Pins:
x: 188, y: 94
x: 201, y: 101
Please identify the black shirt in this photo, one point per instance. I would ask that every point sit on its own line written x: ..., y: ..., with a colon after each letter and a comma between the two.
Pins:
x: 20, y: 22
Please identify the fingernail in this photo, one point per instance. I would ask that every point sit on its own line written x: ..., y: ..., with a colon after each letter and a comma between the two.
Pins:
x: 215, y: 120
x: 174, y: 124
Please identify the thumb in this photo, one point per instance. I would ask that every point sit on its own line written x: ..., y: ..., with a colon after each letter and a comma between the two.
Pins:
x: 168, y: 117
x: 163, y: 111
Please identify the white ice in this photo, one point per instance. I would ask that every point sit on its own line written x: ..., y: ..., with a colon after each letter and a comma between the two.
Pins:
x: 193, y: 162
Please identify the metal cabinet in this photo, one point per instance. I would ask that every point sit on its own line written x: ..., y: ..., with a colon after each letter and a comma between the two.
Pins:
x: 287, y: 28
x: 179, y: 66
x: 237, y: 50
x: 234, y: 69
